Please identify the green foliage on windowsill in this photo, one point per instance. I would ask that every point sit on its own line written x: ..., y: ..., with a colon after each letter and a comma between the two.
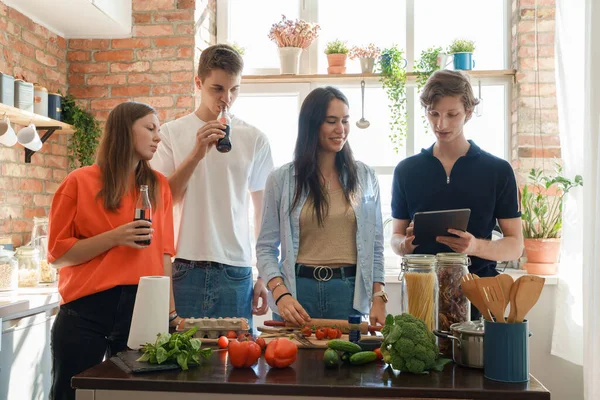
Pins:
x: 393, y: 80
x: 426, y: 65
x: 84, y: 141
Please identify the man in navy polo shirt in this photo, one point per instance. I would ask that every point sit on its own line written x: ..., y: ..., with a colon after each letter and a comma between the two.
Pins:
x: 455, y: 173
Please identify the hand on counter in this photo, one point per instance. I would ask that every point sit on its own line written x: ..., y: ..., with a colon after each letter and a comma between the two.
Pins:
x: 260, y: 292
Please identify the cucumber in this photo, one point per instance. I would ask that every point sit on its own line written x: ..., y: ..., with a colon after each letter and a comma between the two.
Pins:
x: 343, y: 345
x: 331, y: 358
x: 363, y: 357
x: 346, y: 357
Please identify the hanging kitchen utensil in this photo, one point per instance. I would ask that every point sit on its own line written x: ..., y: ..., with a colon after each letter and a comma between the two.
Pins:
x: 363, y: 123
x: 506, y: 282
x: 469, y: 288
x: 528, y: 294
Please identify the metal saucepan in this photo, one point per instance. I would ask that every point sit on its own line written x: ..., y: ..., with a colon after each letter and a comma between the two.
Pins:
x: 467, y: 343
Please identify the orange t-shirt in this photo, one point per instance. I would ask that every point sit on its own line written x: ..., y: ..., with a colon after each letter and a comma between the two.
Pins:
x: 76, y: 214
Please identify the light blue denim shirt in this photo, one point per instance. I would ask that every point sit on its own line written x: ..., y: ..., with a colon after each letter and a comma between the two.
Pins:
x: 279, y: 227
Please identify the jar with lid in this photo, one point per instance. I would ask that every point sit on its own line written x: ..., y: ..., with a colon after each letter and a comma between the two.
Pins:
x: 420, y: 288
x: 29, y: 266
x: 454, y: 307
x: 9, y: 270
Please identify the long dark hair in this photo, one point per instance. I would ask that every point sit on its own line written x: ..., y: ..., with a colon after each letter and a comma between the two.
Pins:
x: 115, y: 153
x: 312, y: 116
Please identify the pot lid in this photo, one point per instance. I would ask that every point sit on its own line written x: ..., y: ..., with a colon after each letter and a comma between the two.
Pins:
x: 469, y: 327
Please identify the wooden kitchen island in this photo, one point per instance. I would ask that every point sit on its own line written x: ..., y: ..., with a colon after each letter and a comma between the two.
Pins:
x: 306, y: 379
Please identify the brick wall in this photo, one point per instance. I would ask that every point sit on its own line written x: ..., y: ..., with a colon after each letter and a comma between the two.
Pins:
x: 535, y: 135
x: 155, y: 66
x: 39, y: 55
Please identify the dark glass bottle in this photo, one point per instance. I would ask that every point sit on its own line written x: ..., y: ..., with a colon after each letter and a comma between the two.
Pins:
x: 143, y: 210
x: 224, y: 144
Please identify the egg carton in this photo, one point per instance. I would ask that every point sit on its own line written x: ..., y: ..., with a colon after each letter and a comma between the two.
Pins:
x: 212, y: 328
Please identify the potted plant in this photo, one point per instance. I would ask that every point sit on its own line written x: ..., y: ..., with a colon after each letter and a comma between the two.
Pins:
x: 426, y: 65
x: 462, y: 52
x: 541, y: 212
x: 337, y: 53
x: 291, y: 38
x: 392, y: 66
x: 240, y: 49
x: 84, y: 141
x: 366, y: 55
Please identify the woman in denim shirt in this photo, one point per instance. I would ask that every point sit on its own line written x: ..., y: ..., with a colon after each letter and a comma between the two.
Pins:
x: 324, y: 210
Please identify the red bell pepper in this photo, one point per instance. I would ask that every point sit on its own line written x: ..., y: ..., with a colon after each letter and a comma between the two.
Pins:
x: 243, y: 354
x: 281, y: 353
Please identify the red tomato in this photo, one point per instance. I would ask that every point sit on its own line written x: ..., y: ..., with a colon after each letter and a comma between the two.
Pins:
x: 320, y: 334
x: 307, y: 331
x: 378, y: 352
x: 339, y: 333
x: 231, y: 335
x: 332, y: 333
x: 261, y: 342
x: 326, y: 330
x: 245, y: 337
x: 223, y: 342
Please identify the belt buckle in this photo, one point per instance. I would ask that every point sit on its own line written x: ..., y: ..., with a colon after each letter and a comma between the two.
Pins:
x: 321, y: 270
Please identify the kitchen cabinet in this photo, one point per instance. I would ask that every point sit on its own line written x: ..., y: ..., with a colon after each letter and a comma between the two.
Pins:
x: 307, y: 378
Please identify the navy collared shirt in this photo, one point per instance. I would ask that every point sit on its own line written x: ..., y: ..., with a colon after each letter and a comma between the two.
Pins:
x: 479, y: 180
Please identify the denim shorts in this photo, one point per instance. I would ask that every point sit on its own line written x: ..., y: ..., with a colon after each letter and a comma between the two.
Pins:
x: 210, y: 289
x: 332, y: 299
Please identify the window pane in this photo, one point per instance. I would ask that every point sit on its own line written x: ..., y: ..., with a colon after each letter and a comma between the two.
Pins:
x: 249, y: 26
x: 487, y: 130
x: 360, y: 22
x: 439, y: 22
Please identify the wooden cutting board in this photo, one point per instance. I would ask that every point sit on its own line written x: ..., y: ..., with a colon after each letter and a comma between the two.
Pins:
x: 322, y: 344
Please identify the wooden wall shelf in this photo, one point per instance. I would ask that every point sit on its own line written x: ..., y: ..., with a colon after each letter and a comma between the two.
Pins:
x: 48, y: 125
x: 366, y: 77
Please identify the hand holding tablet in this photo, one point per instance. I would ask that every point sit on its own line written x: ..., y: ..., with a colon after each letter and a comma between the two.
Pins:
x: 429, y: 225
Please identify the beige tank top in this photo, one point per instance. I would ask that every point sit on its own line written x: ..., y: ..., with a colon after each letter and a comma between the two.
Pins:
x: 335, y: 241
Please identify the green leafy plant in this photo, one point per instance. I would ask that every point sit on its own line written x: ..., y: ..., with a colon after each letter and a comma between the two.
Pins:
x: 542, y: 203
x: 336, y: 47
x: 426, y: 65
x: 393, y: 80
x: 178, y: 347
x: 240, y: 49
x: 461, y: 46
x: 84, y: 141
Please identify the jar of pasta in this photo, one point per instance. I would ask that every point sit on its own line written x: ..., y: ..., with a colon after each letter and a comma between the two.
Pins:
x: 29, y: 266
x: 453, y: 305
x: 420, y: 288
x: 9, y: 270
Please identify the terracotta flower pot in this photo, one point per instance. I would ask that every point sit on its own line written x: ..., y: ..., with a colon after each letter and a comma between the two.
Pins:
x: 542, y: 256
x: 337, y: 63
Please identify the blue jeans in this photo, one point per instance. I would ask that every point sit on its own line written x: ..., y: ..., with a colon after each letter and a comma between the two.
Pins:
x: 332, y: 299
x: 210, y: 289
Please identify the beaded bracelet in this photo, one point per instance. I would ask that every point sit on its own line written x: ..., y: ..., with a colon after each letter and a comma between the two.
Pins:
x: 284, y: 294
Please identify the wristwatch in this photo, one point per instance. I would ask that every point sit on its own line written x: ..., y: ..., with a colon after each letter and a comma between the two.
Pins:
x: 381, y: 294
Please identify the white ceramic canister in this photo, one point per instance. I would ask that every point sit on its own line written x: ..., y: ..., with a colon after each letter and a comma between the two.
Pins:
x: 40, y: 100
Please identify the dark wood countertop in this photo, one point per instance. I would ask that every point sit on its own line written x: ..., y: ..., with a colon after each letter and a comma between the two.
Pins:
x: 309, y: 377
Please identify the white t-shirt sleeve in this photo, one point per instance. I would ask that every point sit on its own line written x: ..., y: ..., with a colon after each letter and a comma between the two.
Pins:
x: 163, y: 160
x: 262, y: 165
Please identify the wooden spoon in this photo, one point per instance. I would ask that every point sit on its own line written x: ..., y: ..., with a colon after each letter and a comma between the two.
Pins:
x: 469, y: 288
x: 506, y: 282
x: 528, y: 294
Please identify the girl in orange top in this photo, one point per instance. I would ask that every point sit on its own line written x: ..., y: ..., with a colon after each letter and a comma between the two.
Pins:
x: 92, y: 240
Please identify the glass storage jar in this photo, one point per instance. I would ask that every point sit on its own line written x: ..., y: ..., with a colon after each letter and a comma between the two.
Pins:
x: 453, y: 305
x: 420, y: 288
x: 39, y: 239
x: 9, y: 270
x: 29, y: 266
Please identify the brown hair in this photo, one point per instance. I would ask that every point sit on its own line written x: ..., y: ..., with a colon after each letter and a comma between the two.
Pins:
x: 115, y: 153
x: 220, y: 56
x: 444, y: 83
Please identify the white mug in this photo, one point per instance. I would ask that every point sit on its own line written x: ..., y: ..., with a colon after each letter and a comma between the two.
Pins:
x: 29, y: 138
x: 7, y: 133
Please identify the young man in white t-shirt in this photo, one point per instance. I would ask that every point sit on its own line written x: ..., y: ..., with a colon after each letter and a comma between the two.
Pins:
x: 212, y: 273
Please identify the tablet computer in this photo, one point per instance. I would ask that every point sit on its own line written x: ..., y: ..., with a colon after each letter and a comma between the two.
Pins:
x: 430, y: 224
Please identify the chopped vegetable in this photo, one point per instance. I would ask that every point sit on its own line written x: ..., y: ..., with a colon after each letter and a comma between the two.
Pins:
x: 178, y: 347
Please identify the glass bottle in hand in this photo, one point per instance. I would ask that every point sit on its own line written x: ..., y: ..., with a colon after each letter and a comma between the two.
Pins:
x: 224, y: 144
x: 143, y: 211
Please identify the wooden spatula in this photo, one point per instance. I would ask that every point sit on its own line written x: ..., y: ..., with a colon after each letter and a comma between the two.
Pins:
x: 506, y: 282
x: 469, y: 288
x: 491, y: 293
x: 512, y: 314
x: 528, y: 294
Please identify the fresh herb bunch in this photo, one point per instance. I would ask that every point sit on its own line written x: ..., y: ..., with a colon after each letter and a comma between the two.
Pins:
x: 425, y: 66
x: 542, y: 211
x: 336, y: 47
x: 179, y: 347
x: 393, y: 81
x: 461, y: 46
x: 84, y: 141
